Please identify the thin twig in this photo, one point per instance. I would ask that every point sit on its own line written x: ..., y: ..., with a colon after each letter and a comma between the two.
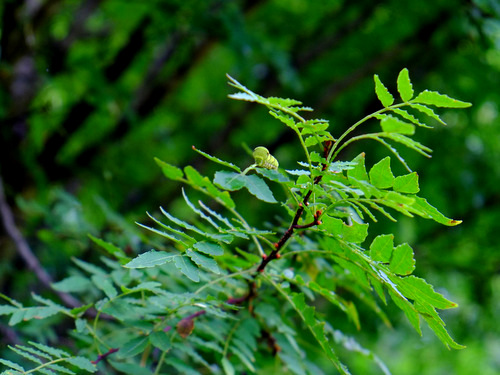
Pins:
x: 25, y: 251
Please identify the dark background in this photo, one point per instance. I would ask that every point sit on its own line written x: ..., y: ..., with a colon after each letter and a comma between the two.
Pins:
x: 92, y: 90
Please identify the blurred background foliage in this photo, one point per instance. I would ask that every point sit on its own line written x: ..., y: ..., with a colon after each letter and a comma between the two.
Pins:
x: 93, y: 90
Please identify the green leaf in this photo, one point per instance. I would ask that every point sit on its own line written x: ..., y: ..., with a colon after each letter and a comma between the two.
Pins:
x: 407, y: 183
x: 20, y: 350
x: 49, y: 350
x: 359, y: 171
x: 184, y: 265
x: 381, y: 174
x: 72, y: 284
x: 170, y: 171
x: 226, y: 238
x: 405, y: 87
x: 13, y: 365
x: 55, y: 367
x: 436, y: 324
x: 203, y: 261
x: 7, y: 310
x: 227, y: 366
x: 381, y: 248
x: 432, y: 213
x: 418, y: 289
x: 203, y: 183
x: 408, y: 116
x: 408, y: 142
x: 391, y: 124
x: 104, y: 283
x: 129, y: 368
x: 316, y: 328
x: 402, y: 262
x: 273, y: 175
x: 209, y: 248
x: 82, y: 363
x: 109, y: 247
x: 355, y: 232
x: 383, y: 94
x: 426, y: 110
x: 255, y: 185
x: 408, y: 309
x: 152, y: 258
x: 439, y: 100
x: 133, y: 347
x: 160, y: 340
x: 217, y: 160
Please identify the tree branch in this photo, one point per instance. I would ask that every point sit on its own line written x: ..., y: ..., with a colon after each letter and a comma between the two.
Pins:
x: 25, y: 251
x: 295, y: 222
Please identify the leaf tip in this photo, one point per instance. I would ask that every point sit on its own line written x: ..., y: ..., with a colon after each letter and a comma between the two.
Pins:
x: 454, y: 222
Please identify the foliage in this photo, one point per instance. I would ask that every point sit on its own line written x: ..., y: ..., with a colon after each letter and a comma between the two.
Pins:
x: 223, y: 295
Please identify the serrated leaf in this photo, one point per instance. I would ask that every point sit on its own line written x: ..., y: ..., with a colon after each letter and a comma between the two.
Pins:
x: 13, y: 365
x: 198, y: 181
x: 391, y: 124
x: 18, y: 349
x: 438, y: 327
x: 49, y: 350
x: 59, y: 370
x: 82, y: 363
x: 104, y: 283
x: 402, y: 262
x: 185, y: 265
x: 359, y: 171
x: 439, y: 100
x: 408, y: 116
x: 226, y: 238
x: 355, y: 233
x: 217, y: 160
x: 405, y: 87
x: 242, y: 96
x: 428, y: 111
x: 317, y: 329
x: 72, y: 284
x: 432, y: 213
x: 109, y: 247
x: 203, y: 261
x: 418, y: 289
x: 298, y: 172
x: 227, y: 366
x: 160, y: 340
x: 152, y: 258
x: 383, y: 94
x: 254, y: 184
x: 7, y: 310
x: 407, y: 183
x: 381, y: 174
x: 129, y: 368
x: 381, y: 248
x: 410, y: 143
x: 133, y: 347
x: 408, y: 309
x: 209, y: 248
x: 170, y: 171
x: 180, y: 234
x: 283, y: 102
